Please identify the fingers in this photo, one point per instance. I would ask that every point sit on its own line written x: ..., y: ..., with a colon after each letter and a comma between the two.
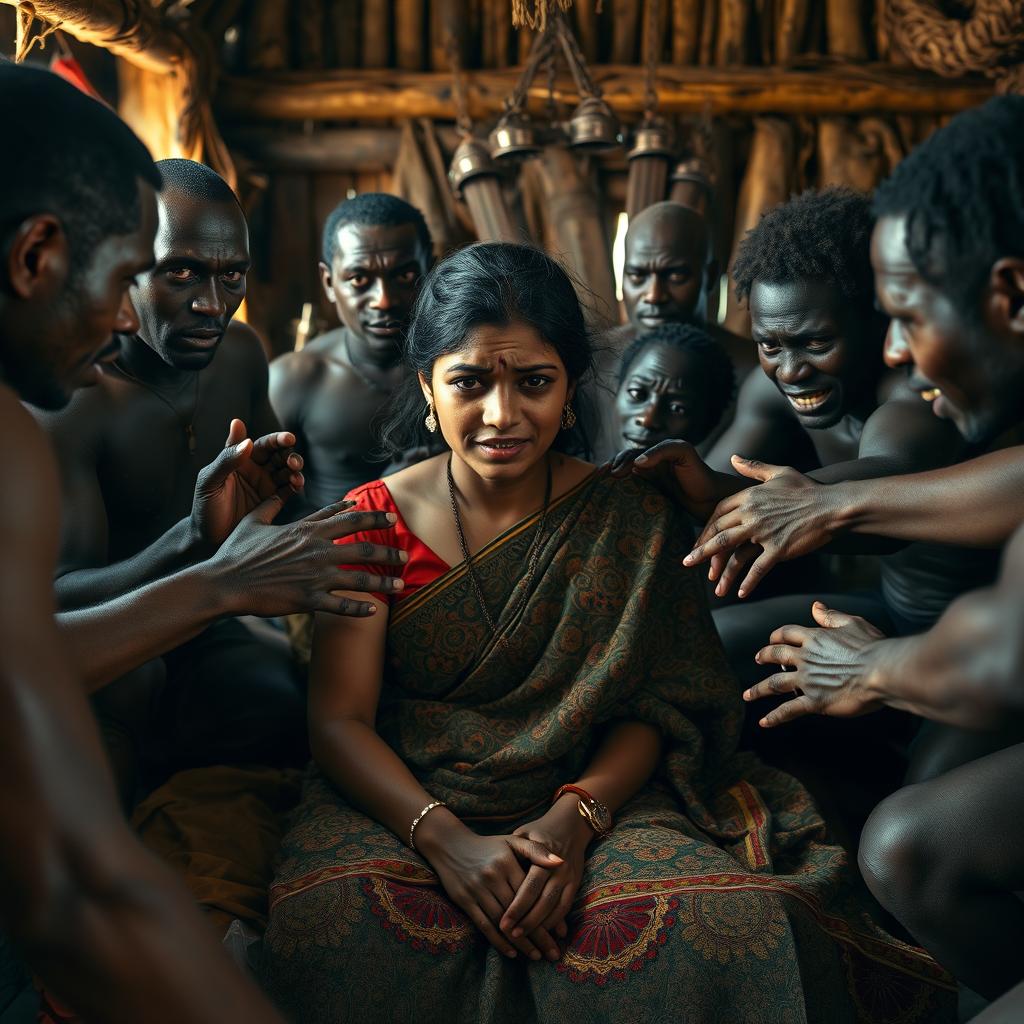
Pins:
x: 266, y: 511
x: 365, y: 582
x: 779, y: 654
x: 725, y: 516
x: 831, y: 618
x: 330, y: 510
x: 798, y: 707
x: 754, y: 469
x: 622, y: 463
x: 364, y: 551
x: 228, y: 460
x: 781, y: 682
x: 534, y: 852
x: 665, y: 451
x: 763, y: 564
x: 482, y: 919
x: 795, y: 636
x: 526, y: 896
x: 734, y: 566
x: 349, y: 606
x: 556, y: 920
x: 344, y: 523
x: 279, y: 443
x: 718, y: 542
x: 236, y: 433
x: 544, y: 906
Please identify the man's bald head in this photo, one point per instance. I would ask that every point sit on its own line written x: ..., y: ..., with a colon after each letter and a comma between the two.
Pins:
x: 667, y: 250
x: 202, y: 255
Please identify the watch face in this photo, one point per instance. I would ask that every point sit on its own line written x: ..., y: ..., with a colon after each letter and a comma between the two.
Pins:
x: 602, y: 816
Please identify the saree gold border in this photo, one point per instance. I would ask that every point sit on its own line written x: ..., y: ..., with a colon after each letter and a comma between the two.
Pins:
x: 835, y: 927
x: 456, y: 572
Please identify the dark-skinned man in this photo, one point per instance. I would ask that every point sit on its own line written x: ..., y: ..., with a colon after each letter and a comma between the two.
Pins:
x: 104, y: 925
x: 825, y: 399
x: 376, y: 247
x: 140, y: 506
x: 668, y: 273
x: 944, y: 856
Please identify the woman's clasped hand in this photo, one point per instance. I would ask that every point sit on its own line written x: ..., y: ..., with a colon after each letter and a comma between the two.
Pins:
x: 517, y: 889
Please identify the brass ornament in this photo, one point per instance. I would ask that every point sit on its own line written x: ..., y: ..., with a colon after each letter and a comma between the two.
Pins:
x: 593, y: 128
x: 431, y: 421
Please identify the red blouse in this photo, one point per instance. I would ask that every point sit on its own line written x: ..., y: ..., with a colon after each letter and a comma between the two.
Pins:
x: 423, y: 567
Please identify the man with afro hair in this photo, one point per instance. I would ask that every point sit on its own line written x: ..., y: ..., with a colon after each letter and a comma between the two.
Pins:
x: 827, y: 404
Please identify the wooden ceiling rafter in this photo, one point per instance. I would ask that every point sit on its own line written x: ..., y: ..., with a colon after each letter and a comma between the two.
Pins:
x: 383, y: 95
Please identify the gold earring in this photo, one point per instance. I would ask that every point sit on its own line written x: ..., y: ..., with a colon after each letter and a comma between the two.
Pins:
x: 568, y: 417
x: 431, y: 421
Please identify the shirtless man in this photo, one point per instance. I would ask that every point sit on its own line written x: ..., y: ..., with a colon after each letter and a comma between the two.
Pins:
x: 140, y: 506
x: 101, y: 921
x: 331, y: 394
x: 944, y: 856
x: 668, y: 272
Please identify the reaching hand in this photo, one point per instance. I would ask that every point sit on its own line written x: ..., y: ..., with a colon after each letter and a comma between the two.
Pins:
x: 482, y: 874
x: 545, y: 896
x: 677, y: 467
x: 277, y: 570
x: 829, y: 667
x: 786, y: 516
x: 245, y: 474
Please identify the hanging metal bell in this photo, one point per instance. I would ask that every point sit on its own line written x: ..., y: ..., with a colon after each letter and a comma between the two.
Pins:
x: 652, y: 138
x: 471, y: 160
x: 691, y: 184
x: 513, y: 136
x: 593, y: 127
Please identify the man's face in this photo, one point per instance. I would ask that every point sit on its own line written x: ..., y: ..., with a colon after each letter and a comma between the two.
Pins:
x: 372, y: 282
x: 967, y: 373
x: 663, y: 276
x: 822, y: 356
x: 197, y: 282
x: 660, y: 398
x: 77, y: 329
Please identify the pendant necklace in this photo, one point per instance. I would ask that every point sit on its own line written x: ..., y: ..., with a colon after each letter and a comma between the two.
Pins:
x: 532, y: 558
x: 190, y: 435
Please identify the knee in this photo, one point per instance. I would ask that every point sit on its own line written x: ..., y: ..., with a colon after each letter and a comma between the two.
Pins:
x: 897, y: 854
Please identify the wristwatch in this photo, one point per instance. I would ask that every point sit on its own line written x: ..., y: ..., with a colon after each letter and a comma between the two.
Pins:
x: 591, y: 810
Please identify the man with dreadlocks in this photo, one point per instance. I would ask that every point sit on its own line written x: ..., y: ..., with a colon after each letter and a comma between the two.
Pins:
x: 945, y: 856
x: 826, y: 403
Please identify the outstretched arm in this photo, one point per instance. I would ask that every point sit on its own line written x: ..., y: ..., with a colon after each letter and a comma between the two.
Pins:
x: 108, y: 929
x: 967, y: 670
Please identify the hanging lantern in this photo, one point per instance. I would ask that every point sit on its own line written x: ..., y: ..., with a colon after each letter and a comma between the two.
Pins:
x: 513, y: 136
x: 593, y: 127
x: 650, y: 160
x: 691, y: 185
x: 474, y: 178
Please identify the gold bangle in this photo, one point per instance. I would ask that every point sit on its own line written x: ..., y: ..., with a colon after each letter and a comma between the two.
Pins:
x: 419, y: 817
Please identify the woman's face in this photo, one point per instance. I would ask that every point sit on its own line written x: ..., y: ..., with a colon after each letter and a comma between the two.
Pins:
x: 499, y: 399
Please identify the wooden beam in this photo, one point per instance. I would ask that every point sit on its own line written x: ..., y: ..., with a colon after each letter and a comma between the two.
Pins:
x: 386, y: 94
x: 148, y: 41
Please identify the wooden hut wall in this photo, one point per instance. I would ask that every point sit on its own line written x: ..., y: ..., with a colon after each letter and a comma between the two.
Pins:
x: 312, y: 94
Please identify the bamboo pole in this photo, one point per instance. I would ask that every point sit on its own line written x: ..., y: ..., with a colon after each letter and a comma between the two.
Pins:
x: 386, y: 94
x: 345, y: 30
x: 844, y: 25
x: 624, y: 25
x: 731, y: 37
x: 376, y: 33
x: 587, y: 30
x: 266, y: 39
x: 685, y: 30
x: 310, y: 30
x: 660, y: 30
x: 790, y: 28
x: 140, y: 34
x: 410, y: 32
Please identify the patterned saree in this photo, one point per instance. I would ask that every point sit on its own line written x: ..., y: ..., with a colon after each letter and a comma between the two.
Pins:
x: 715, y: 898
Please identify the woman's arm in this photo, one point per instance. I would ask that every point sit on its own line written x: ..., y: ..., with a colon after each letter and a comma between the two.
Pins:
x: 480, y: 873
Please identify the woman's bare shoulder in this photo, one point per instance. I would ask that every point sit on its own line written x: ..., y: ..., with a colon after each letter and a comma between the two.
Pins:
x: 568, y: 472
